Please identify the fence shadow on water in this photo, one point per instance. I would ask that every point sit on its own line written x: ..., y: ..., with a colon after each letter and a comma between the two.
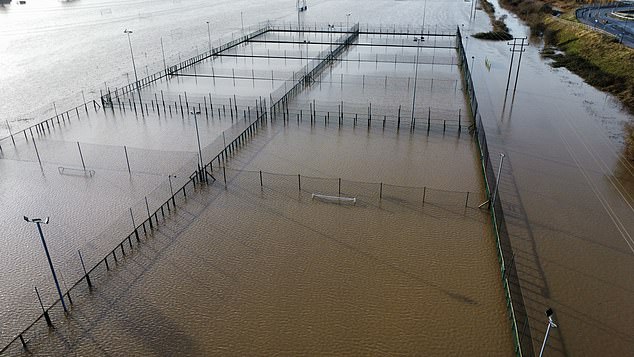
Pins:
x: 508, y: 269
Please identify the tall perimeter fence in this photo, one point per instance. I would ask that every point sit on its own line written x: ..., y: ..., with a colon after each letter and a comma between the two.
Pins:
x: 148, y: 214
x: 307, y: 74
x: 137, y: 224
x: 506, y: 258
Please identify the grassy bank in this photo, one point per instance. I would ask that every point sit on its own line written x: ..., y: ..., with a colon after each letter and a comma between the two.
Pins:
x: 597, y: 58
x: 500, y: 31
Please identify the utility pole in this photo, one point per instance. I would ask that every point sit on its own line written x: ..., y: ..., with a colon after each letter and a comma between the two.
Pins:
x: 517, y: 47
x: 508, y: 80
x: 519, y: 62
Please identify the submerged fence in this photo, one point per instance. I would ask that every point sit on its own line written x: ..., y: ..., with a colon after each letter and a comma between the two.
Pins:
x: 142, y: 218
x: 365, y: 114
x: 106, y: 98
x: 305, y: 75
x: 363, y: 193
x: 59, y: 119
x: 508, y: 269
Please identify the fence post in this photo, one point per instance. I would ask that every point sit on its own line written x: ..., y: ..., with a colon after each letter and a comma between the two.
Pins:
x: 44, y: 312
x: 127, y: 160
x: 36, y: 152
x: 459, y: 119
x: 81, y: 259
x: 23, y: 342
x: 424, y: 194
x: 261, y: 183
x: 299, y: 182
x: 81, y: 156
x: 224, y: 175
x: 149, y: 216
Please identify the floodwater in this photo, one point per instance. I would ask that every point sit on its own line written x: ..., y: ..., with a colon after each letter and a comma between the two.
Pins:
x: 567, y: 194
x: 566, y: 190
x: 133, y: 143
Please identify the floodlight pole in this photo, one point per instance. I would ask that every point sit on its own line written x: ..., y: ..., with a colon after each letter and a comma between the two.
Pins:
x: 330, y: 29
x: 200, y: 152
x: 38, y: 222
x: 136, y: 78
x: 551, y: 323
x: 163, y: 52
x: 209, y: 36
x: 418, y: 42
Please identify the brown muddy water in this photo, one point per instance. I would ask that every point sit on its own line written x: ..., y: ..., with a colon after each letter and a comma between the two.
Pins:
x: 252, y: 270
x: 566, y: 190
x: 258, y: 271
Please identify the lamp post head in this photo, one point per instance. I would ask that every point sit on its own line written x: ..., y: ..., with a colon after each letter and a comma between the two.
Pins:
x: 36, y: 220
x: 127, y: 31
x: 549, y: 314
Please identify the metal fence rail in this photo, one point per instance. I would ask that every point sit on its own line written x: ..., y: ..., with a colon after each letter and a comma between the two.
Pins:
x: 412, y: 197
x: 306, y: 75
x: 145, y: 216
x: 106, y: 98
x: 510, y: 280
x: 366, y: 114
x: 47, y: 124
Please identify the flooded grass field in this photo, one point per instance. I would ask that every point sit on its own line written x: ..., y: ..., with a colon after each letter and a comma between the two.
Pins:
x: 392, y: 273
x: 253, y: 269
x: 566, y: 191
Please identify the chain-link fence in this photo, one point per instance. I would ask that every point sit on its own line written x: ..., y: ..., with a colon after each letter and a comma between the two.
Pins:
x: 359, y: 192
x: 367, y: 115
x: 510, y: 279
x: 130, y: 228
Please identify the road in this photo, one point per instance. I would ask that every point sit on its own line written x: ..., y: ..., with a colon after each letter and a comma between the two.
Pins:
x: 600, y: 18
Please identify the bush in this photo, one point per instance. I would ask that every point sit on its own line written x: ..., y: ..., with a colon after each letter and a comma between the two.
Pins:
x: 494, y: 36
